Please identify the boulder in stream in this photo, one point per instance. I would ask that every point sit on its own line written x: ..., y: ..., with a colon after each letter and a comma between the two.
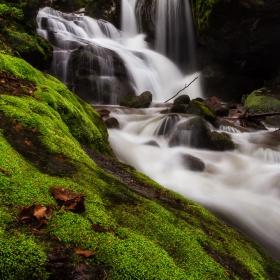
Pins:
x: 193, y: 163
x: 142, y: 101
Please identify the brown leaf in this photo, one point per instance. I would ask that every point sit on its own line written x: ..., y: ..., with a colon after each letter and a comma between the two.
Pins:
x: 39, y: 212
x: 84, y: 253
x: 2, y: 81
x: 35, y: 130
x: 28, y: 143
x: 99, y: 228
x: 26, y: 214
x: 17, y: 127
x: 69, y: 200
x: 40, y: 224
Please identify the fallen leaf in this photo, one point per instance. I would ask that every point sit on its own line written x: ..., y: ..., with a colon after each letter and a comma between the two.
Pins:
x: 35, y: 130
x: 17, y: 127
x: 69, y: 200
x: 99, y: 228
x: 84, y: 253
x: 38, y: 212
x: 28, y: 143
x: 26, y: 214
x: 40, y: 223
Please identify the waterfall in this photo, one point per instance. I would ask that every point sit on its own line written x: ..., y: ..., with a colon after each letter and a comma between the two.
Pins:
x: 175, y: 32
x: 102, y: 64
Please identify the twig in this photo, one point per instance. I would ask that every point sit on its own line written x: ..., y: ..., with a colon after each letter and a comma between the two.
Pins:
x: 181, y: 90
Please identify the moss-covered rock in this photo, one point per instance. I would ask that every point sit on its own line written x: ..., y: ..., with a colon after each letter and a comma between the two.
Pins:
x: 198, y: 108
x: 265, y: 100
x: 142, y: 101
x: 134, y: 228
x: 18, y: 34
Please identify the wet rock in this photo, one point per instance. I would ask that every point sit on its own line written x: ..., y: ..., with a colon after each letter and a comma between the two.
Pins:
x: 180, y: 109
x: 103, y: 112
x: 222, y: 111
x: 152, y: 143
x: 193, y: 163
x: 112, y: 123
x: 200, y: 109
x: 183, y: 99
x: 142, y: 101
x: 195, y: 133
x: 167, y: 125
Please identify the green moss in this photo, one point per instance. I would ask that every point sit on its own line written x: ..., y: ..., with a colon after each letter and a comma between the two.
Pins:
x: 21, y: 257
x: 200, y: 109
x: 264, y: 101
x: 141, y: 237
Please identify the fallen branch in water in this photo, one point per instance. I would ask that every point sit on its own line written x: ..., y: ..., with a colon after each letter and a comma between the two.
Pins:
x: 181, y: 90
x: 248, y: 116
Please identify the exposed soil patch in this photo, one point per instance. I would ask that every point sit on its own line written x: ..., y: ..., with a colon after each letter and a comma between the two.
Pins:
x: 123, y: 172
x: 12, y: 85
x: 26, y: 141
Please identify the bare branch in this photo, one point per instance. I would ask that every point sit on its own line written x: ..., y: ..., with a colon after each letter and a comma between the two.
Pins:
x: 181, y: 90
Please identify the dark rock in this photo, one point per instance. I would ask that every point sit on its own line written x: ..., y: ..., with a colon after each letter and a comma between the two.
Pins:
x: 103, y: 112
x: 198, y: 108
x: 232, y: 105
x: 183, y: 99
x: 193, y: 163
x: 199, y: 99
x: 242, y: 36
x: 195, y: 133
x: 112, y: 123
x: 142, y: 101
x: 180, y: 109
x: 222, y: 111
x: 165, y: 111
x: 152, y: 143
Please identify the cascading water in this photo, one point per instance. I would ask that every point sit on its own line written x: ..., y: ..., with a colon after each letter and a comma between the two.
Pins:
x: 175, y: 33
x: 241, y: 186
x: 85, y: 48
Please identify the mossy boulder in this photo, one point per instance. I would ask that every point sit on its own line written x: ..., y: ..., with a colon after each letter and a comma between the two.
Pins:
x: 142, y: 101
x: 18, y: 36
x: 265, y: 100
x: 131, y: 227
x: 198, y: 108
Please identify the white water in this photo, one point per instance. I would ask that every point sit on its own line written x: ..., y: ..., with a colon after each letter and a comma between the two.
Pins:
x: 240, y: 186
x: 146, y: 69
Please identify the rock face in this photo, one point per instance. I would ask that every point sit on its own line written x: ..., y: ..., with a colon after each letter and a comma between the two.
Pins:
x: 98, y: 75
x: 142, y: 101
x: 101, y: 9
x: 17, y: 37
x: 243, y: 36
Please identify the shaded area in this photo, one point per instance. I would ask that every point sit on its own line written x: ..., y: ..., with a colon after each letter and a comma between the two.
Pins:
x: 26, y: 141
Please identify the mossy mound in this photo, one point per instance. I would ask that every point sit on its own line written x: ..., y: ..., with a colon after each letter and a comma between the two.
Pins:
x: 131, y: 228
x: 265, y: 100
x: 198, y: 108
x: 17, y: 35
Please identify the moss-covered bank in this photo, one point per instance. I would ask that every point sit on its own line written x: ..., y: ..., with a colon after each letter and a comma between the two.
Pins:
x: 134, y: 228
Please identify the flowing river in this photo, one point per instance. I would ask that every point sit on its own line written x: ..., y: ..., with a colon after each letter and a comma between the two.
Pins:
x: 241, y: 186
